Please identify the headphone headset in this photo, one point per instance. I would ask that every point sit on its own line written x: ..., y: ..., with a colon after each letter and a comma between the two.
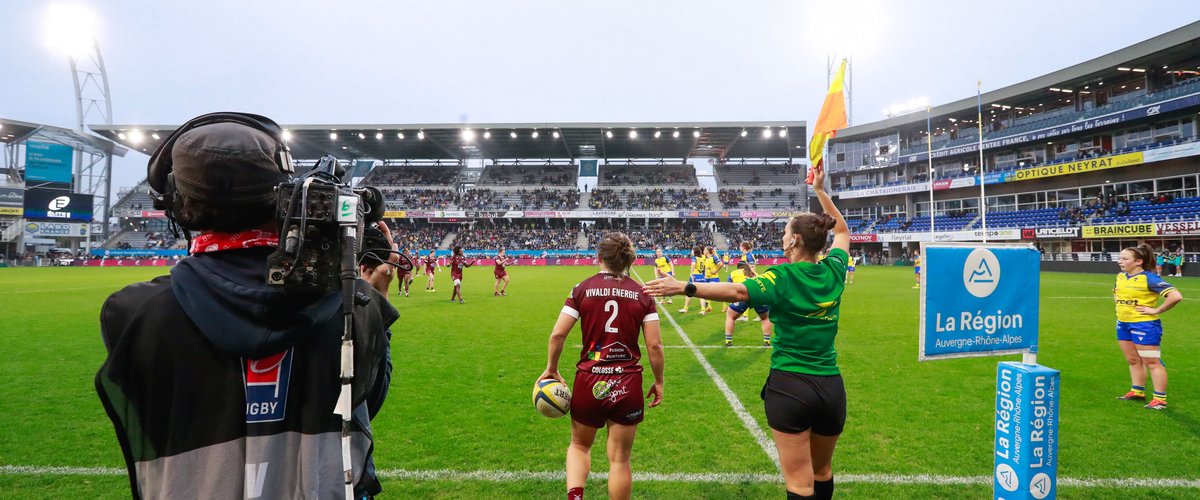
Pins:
x: 158, y: 171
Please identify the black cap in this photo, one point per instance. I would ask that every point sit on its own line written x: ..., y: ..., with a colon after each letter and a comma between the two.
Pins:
x: 226, y: 163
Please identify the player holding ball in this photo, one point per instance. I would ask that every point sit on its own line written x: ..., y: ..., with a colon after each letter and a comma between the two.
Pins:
x: 613, y: 310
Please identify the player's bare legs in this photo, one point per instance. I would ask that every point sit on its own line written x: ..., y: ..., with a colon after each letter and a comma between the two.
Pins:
x: 796, y: 460
x: 579, y: 454
x: 1137, y: 370
x: 504, y: 289
x: 620, y: 475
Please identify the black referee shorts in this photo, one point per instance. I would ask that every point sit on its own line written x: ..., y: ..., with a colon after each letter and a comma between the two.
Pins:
x: 796, y: 402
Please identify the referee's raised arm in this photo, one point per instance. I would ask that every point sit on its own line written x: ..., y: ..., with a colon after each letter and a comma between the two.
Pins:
x: 841, y: 230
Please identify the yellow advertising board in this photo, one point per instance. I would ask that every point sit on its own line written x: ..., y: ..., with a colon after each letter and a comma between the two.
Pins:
x: 1076, y: 167
x: 1120, y: 230
x: 395, y: 214
x: 12, y: 211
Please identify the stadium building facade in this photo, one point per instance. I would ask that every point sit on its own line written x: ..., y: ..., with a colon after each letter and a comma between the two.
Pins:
x: 1083, y: 161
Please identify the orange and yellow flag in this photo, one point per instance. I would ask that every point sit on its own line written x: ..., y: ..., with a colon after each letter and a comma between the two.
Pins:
x: 832, y: 118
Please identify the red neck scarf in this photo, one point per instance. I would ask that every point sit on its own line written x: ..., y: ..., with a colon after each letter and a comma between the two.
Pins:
x: 216, y: 242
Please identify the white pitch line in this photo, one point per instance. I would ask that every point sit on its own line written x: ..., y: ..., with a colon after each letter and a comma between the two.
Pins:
x: 767, y: 445
x: 499, y: 476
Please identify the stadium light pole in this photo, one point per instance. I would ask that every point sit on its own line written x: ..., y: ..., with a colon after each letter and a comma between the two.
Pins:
x: 982, y: 166
x: 71, y: 29
x: 929, y: 143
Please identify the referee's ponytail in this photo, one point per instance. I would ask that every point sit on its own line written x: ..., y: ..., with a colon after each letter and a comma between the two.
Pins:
x: 1144, y: 252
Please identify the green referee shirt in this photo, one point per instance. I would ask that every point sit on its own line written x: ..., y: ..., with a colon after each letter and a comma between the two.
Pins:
x: 805, y: 300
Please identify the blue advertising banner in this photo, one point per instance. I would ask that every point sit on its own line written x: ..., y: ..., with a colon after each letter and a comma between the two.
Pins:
x: 589, y: 168
x: 48, y: 162
x: 1026, y: 445
x: 978, y: 299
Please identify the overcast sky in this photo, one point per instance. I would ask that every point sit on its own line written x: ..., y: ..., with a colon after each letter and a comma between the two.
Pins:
x: 358, y: 61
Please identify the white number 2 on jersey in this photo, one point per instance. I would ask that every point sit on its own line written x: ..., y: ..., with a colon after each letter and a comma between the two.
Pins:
x: 608, y: 328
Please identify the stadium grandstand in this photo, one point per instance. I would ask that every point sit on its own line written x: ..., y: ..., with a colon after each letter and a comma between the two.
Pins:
x: 1085, y: 161
x: 535, y: 189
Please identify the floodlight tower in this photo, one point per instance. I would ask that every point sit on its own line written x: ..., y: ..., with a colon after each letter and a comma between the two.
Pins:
x: 71, y: 29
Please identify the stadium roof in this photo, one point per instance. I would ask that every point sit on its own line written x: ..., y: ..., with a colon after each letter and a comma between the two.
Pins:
x: 15, y: 131
x: 1171, y: 49
x: 722, y: 140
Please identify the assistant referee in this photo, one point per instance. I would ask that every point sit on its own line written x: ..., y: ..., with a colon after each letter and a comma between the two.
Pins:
x: 804, y: 397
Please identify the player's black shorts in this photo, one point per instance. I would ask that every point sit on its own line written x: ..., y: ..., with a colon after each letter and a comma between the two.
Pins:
x: 796, y: 402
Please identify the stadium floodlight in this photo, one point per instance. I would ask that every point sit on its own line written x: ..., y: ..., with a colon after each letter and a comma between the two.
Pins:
x: 633, y: 134
x: 608, y: 134
x: 555, y: 134
x: 421, y: 135
x: 513, y: 134
x: 744, y: 133
x: 468, y: 135
x: 361, y: 136
x: 767, y: 133
x: 675, y: 134
x: 155, y: 136
x: 287, y: 135
x: 1122, y: 68
x: 657, y: 134
x: 399, y: 135
x: 71, y: 29
x: 1139, y: 70
x: 379, y: 136
x: 136, y: 136
x: 535, y: 134
x: 696, y: 133
x: 333, y: 136
x: 487, y: 134
x: 783, y: 132
x: 121, y: 136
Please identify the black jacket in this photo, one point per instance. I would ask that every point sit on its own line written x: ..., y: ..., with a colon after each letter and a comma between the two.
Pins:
x: 221, y: 387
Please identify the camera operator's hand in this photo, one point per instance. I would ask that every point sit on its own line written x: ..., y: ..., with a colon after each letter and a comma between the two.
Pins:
x: 381, y: 276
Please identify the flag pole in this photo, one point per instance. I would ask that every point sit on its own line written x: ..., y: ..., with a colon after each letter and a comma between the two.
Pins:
x: 982, y: 167
x: 929, y: 142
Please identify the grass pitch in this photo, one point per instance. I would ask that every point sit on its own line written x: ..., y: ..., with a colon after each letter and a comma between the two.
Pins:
x: 460, y: 396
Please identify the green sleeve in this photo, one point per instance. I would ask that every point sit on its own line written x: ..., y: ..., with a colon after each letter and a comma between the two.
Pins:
x: 836, y: 262
x: 762, y: 289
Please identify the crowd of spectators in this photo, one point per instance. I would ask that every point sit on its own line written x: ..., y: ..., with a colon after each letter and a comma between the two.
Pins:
x: 517, y: 238
x: 480, y: 199
x: 1074, y: 215
x: 757, y: 198
x: 670, y: 237
x: 763, y: 235
x: 528, y: 176
x: 419, y: 238
x: 414, y: 176
x: 649, y: 199
x: 423, y: 199
x: 778, y: 175
x: 549, y: 199
x: 648, y: 176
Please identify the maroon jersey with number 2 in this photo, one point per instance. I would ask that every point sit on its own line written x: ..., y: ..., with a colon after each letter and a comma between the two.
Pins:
x: 608, y: 377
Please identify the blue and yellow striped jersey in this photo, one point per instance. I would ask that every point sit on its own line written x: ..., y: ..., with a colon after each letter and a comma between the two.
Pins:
x: 664, y: 264
x: 711, y: 269
x: 1141, y: 289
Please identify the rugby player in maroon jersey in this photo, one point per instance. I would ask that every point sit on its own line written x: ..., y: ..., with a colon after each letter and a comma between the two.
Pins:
x: 457, y: 263
x: 501, y: 273
x: 608, y: 375
x: 430, y: 268
x: 405, y: 278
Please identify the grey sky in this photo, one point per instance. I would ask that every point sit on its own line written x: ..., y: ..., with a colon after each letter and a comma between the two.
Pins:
x: 305, y: 61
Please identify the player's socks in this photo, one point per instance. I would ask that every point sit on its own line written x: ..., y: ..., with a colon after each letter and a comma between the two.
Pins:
x: 728, y: 338
x: 575, y: 494
x: 823, y: 490
x: 1138, y: 390
x: 1161, y: 396
x: 797, y: 496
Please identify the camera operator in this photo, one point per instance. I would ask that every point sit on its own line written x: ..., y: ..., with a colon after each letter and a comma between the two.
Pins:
x: 219, y: 385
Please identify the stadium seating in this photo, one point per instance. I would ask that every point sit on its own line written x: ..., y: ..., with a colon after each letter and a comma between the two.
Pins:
x: 1154, y: 211
x: 528, y: 175
x: 409, y: 175
x: 647, y: 176
x: 649, y: 199
x: 757, y: 175
x: 753, y: 199
x: 517, y: 238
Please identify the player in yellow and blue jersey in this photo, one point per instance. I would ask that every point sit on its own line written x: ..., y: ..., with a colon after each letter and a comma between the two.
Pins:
x: 712, y: 274
x: 1139, y: 331
x: 663, y: 267
x: 749, y: 258
x: 850, y: 270
x: 917, y: 267
x: 696, y: 276
x: 736, y: 309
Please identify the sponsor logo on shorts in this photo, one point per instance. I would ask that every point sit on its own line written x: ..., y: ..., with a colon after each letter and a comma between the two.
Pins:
x: 607, y: 370
x: 600, y: 389
x: 633, y: 415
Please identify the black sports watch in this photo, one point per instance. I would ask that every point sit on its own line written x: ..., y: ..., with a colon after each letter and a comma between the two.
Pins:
x: 690, y: 290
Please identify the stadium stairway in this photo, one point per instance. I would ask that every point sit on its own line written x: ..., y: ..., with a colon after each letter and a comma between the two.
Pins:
x: 714, y: 200
x: 719, y: 240
x: 581, y: 241
x: 584, y: 198
x: 12, y: 231
x: 447, y: 241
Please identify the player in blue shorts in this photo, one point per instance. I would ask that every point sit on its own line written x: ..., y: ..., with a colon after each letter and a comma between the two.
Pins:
x: 697, y: 276
x: 663, y: 267
x: 917, y: 267
x: 736, y: 309
x: 850, y: 270
x: 1139, y: 331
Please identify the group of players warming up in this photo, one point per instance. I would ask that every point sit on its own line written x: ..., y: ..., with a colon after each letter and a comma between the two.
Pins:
x: 804, y: 397
x: 457, y: 262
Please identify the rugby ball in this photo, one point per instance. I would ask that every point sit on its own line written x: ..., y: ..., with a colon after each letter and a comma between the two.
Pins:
x: 551, y: 398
